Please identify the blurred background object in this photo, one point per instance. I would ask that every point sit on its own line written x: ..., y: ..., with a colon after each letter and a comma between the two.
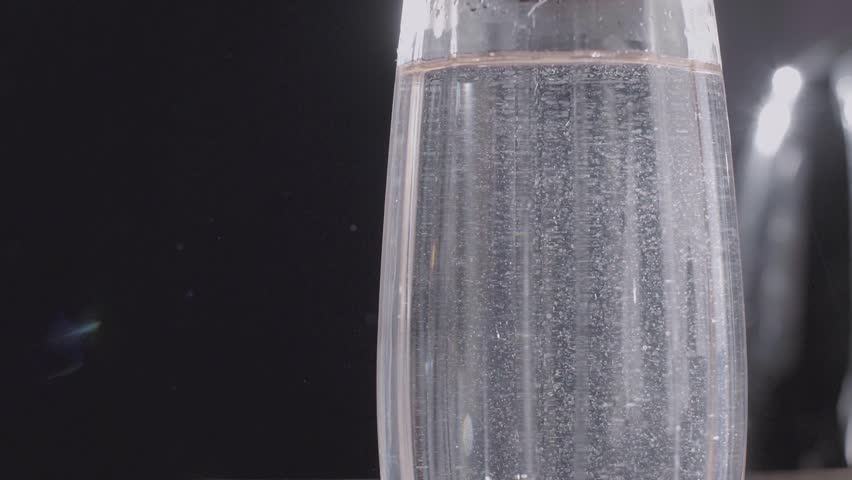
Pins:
x: 793, y: 200
x: 824, y: 474
x: 190, y: 232
x: 842, y: 86
x: 793, y: 215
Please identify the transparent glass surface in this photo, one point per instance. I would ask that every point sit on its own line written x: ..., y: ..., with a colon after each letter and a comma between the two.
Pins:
x: 561, y: 291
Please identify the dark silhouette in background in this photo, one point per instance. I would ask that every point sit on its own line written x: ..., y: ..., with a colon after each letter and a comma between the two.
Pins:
x: 191, y: 208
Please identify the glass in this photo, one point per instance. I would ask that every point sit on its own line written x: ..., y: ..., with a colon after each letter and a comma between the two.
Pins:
x: 561, y: 286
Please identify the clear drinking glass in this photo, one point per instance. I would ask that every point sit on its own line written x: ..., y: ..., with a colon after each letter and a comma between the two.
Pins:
x: 561, y: 287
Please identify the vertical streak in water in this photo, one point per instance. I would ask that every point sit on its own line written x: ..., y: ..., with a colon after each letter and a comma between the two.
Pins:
x: 630, y: 329
x: 462, y: 111
x: 428, y: 366
x: 479, y: 321
x: 523, y: 204
x: 656, y: 230
x: 582, y: 297
x: 670, y: 188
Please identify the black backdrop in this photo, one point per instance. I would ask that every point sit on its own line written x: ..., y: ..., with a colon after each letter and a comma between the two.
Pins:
x: 205, y: 181
x: 201, y: 186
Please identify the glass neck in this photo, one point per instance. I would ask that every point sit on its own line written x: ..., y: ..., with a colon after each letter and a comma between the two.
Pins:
x: 444, y: 29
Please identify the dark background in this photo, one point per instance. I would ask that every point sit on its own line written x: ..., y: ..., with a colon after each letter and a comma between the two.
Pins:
x: 203, y: 184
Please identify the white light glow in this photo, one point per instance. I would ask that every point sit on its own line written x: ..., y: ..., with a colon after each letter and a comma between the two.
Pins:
x: 772, y: 125
x: 786, y: 83
x: 773, y: 122
x: 844, y: 93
